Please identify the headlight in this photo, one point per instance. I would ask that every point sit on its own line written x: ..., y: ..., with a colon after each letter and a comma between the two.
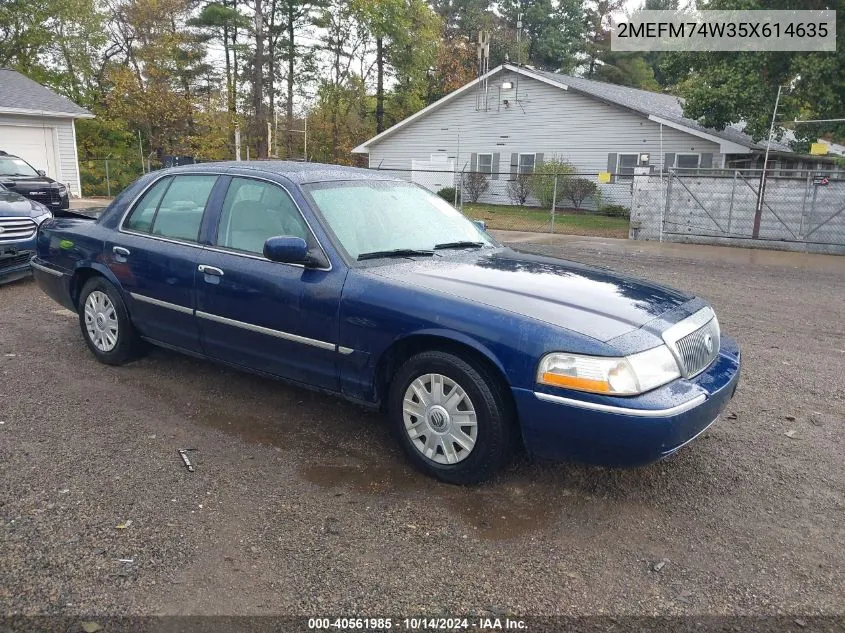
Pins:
x: 624, y: 376
x: 62, y: 189
x: 44, y: 216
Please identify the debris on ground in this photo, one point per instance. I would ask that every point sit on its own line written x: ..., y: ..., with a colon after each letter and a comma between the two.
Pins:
x: 792, y: 434
x: 183, y: 453
x: 331, y: 526
x: 124, y: 525
x: 659, y: 565
x: 90, y: 627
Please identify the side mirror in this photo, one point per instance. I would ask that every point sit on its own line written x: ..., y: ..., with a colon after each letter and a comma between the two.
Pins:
x: 286, y: 249
x: 480, y: 224
x: 42, y: 173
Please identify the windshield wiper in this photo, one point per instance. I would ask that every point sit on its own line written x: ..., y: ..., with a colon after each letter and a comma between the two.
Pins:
x: 396, y: 252
x: 464, y: 244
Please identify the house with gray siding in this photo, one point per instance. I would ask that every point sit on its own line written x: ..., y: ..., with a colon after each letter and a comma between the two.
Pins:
x: 513, y: 118
x: 39, y: 126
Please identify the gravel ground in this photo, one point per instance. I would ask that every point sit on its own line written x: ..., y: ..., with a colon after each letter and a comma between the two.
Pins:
x: 301, y: 504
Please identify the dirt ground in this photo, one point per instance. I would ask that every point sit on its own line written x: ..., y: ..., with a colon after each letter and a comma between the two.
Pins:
x: 301, y: 504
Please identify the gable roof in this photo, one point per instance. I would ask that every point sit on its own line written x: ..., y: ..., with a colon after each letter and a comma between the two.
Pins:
x: 659, y: 107
x: 21, y: 95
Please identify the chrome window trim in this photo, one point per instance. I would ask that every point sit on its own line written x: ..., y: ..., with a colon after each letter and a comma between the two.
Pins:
x: 266, y: 330
x: 683, y: 328
x: 639, y: 413
x: 161, y: 304
x: 346, y: 351
x: 214, y: 247
x: 44, y: 269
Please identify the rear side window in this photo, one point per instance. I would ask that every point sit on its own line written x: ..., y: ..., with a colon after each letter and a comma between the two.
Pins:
x: 178, y: 210
x: 141, y: 219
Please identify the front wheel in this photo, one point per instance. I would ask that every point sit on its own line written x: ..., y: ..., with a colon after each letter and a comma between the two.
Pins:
x: 452, y: 417
x: 105, y: 323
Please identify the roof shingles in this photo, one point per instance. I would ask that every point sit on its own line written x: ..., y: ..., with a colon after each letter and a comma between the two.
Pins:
x: 648, y: 103
x: 19, y: 93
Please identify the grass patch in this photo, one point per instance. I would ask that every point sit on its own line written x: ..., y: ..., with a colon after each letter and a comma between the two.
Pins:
x: 574, y: 222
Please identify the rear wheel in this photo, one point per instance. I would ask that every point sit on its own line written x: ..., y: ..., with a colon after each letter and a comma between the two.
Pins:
x: 451, y: 417
x: 105, y: 323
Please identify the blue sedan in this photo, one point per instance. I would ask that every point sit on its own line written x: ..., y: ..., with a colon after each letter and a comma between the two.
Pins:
x: 375, y: 290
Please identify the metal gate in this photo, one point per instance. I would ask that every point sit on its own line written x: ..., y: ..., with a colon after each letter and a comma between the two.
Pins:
x: 799, y: 208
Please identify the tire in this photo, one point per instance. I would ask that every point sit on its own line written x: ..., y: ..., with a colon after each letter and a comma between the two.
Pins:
x: 111, y: 337
x: 429, y: 427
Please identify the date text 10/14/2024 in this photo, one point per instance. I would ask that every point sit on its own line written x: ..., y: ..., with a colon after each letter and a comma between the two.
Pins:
x: 418, y: 624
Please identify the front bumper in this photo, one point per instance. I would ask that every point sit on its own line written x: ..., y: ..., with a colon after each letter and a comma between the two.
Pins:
x: 15, y: 259
x: 627, y: 432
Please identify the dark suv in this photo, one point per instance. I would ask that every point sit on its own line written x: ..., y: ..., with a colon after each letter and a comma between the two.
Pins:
x: 19, y: 176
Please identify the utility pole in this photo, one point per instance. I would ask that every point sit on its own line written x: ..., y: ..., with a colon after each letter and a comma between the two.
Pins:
x: 141, y: 151
x: 237, y: 141
x: 758, y: 214
x: 258, y: 81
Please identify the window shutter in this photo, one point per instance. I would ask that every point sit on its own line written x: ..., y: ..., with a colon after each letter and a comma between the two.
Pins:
x: 473, y: 162
x: 495, y: 168
x: 706, y: 161
x: 668, y: 161
x: 538, y: 162
x: 514, y: 164
x: 611, y: 163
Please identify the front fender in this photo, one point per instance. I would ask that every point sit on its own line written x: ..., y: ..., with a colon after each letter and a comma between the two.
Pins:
x: 451, y: 335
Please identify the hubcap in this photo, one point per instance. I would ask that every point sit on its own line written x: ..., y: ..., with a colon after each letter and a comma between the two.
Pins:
x: 440, y: 419
x: 101, y: 321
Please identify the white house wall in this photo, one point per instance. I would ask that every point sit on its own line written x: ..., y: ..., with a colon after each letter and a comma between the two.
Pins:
x: 544, y: 119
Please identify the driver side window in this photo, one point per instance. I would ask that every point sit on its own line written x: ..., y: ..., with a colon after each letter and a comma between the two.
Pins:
x: 254, y: 211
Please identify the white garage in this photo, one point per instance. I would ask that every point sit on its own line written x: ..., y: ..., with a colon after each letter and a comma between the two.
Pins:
x: 38, y: 125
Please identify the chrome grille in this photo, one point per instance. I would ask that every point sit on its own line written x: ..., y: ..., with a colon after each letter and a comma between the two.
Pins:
x: 14, y: 229
x: 694, y: 341
x: 699, y: 349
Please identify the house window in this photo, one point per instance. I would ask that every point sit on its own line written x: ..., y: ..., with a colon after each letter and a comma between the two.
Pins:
x: 485, y: 163
x: 687, y: 161
x: 526, y: 163
x: 625, y: 165
x: 788, y: 168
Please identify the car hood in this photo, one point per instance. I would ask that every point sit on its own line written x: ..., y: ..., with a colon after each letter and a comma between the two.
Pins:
x: 15, y: 205
x: 592, y: 301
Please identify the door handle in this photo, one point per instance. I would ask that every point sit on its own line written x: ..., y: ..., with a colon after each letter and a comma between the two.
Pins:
x: 210, y: 270
x: 119, y: 250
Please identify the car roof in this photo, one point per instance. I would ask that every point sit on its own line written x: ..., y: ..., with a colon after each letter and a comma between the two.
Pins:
x: 297, y: 172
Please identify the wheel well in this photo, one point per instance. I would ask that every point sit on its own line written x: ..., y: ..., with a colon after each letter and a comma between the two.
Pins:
x: 80, y: 278
x: 394, y: 357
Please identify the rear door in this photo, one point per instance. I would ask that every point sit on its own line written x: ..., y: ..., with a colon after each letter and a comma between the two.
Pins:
x: 277, y: 318
x: 154, y: 256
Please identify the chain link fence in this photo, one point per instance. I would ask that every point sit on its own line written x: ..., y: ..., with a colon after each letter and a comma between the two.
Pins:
x: 107, y: 176
x: 536, y: 202
x: 793, y: 210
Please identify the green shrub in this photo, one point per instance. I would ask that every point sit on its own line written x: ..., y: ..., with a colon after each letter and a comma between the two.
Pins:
x: 577, y: 189
x: 448, y: 194
x: 615, y: 210
x: 543, y: 182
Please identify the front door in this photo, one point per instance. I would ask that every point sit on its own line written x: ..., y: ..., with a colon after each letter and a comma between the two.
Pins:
x: 154, y: 256
x: 277, y: 318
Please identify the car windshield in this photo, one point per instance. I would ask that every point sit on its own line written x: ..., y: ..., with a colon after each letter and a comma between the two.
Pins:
x: 371, y: 218
x: 10, y: 166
